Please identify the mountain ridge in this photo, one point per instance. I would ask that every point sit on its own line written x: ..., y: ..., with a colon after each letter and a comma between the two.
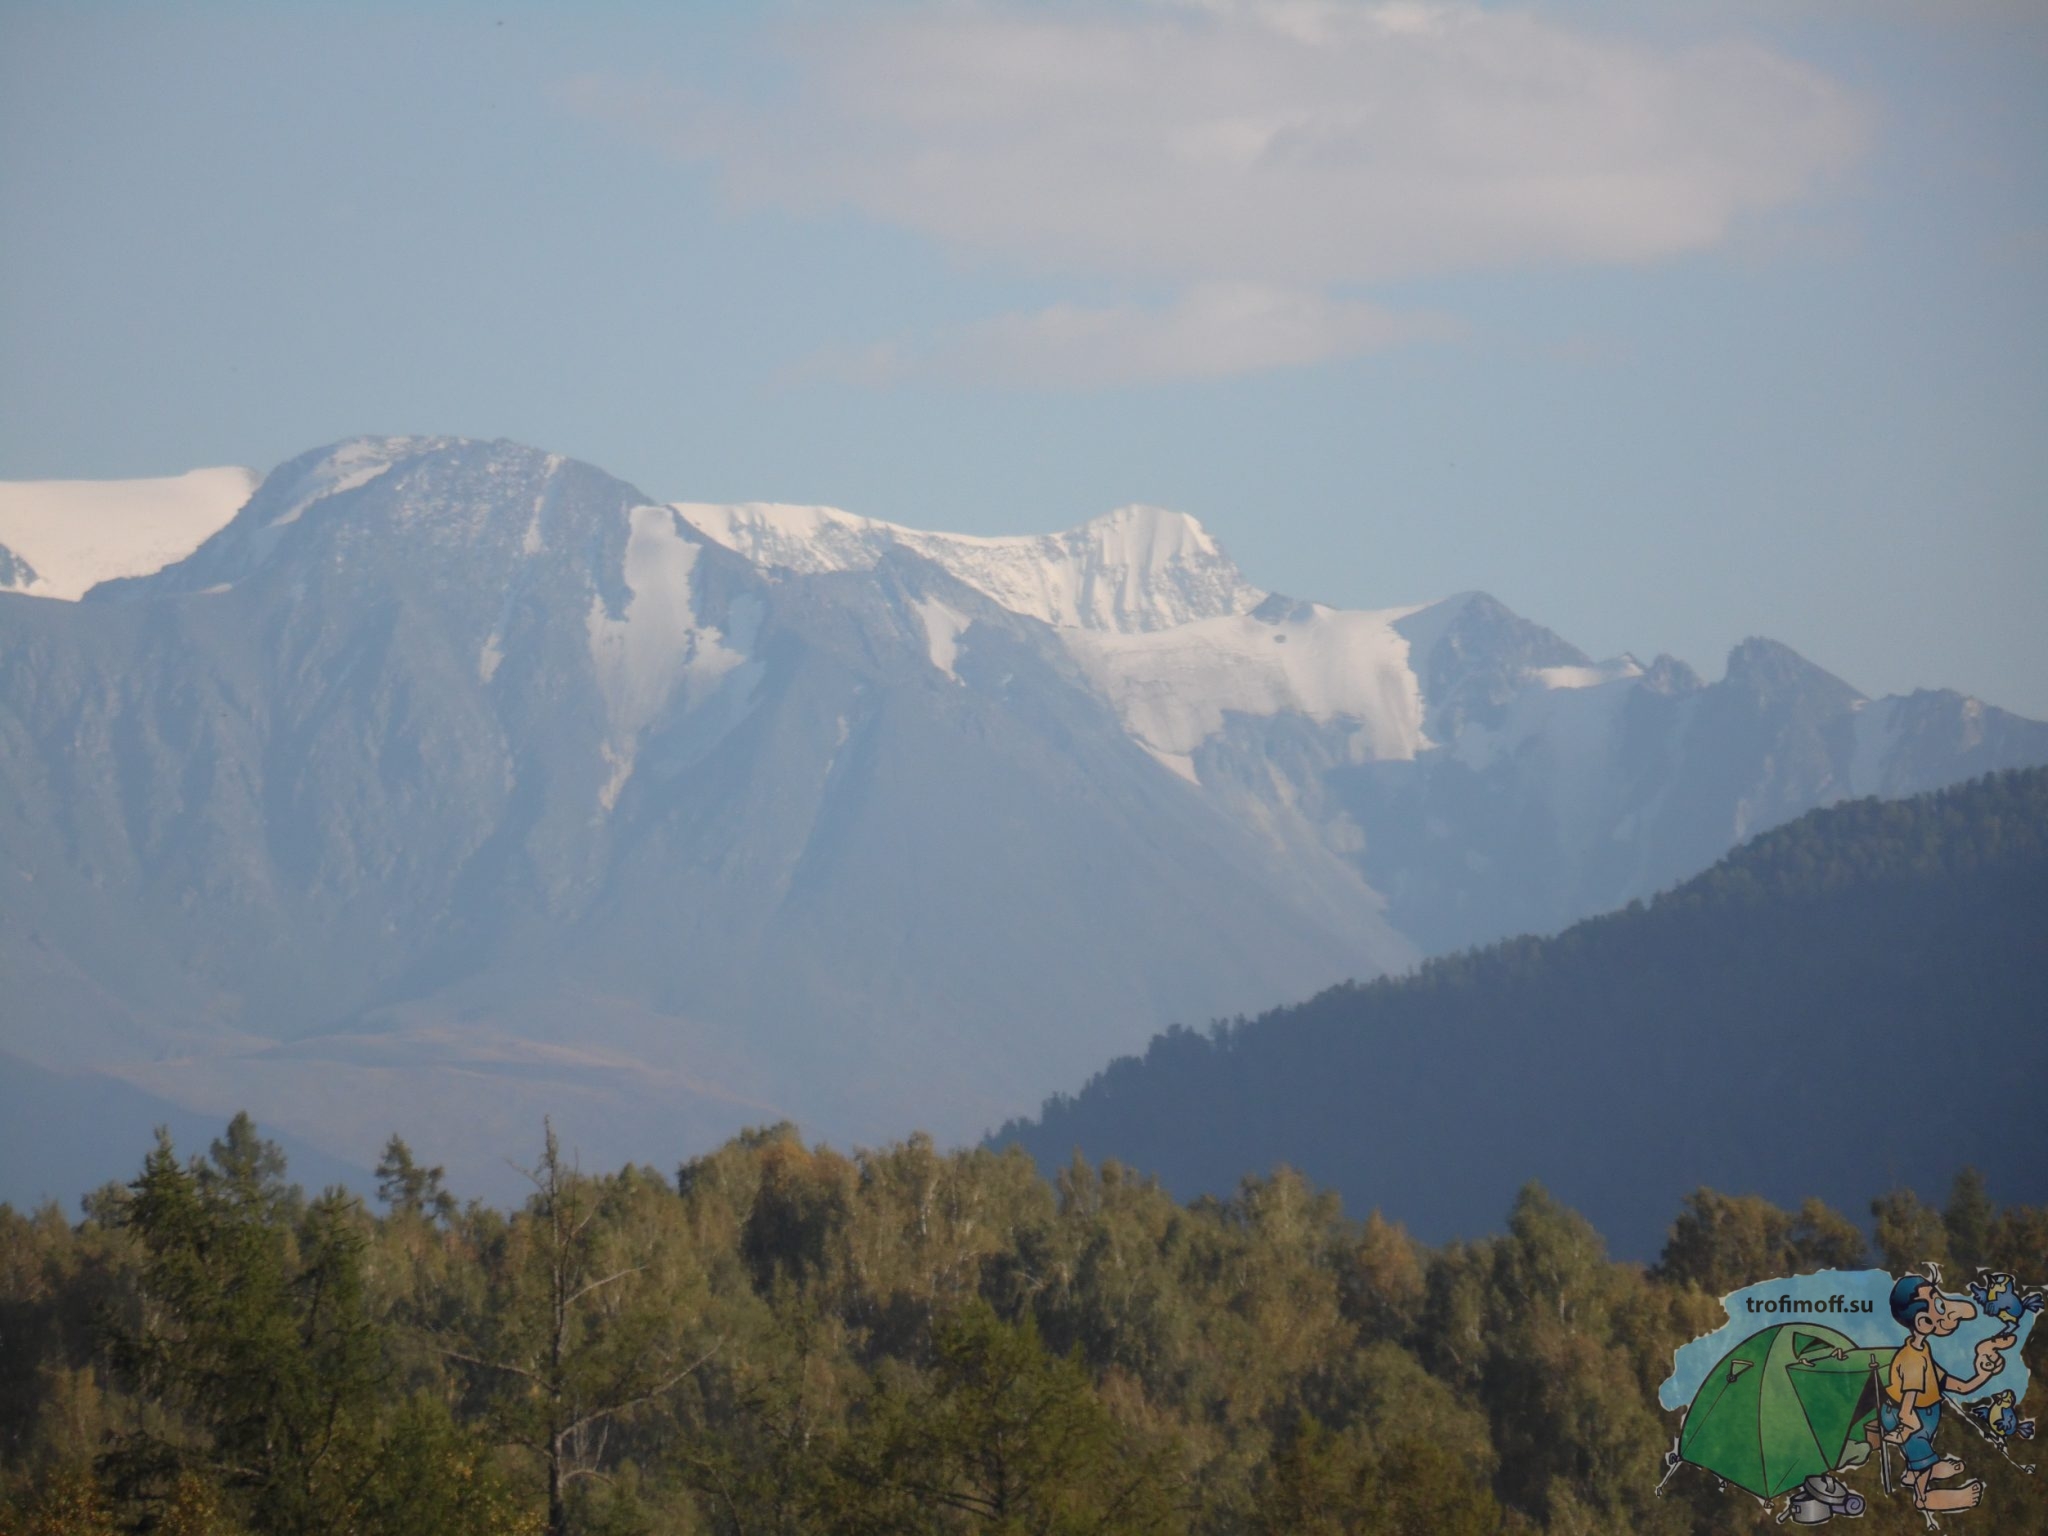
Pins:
x: 1134, y: 568
x: 438, y: 739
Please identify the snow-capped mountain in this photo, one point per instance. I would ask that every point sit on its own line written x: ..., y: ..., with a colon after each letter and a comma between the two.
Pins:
x: 448, y: 782
x: 1482, y: 773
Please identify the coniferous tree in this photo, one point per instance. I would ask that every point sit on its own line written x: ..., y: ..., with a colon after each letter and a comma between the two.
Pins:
x: 409, y: 1189
x: 245, y: 1169
x: 255, y: 1337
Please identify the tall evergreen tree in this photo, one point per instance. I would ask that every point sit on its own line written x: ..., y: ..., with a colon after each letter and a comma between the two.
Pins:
x: 409, y: 1189
x: 254, y: 1337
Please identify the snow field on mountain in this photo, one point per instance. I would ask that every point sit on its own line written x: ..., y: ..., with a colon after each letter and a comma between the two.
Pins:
x: 1162, y: 625
x: 942, y: 630
x: 1618, y: 670
x: 1173, y: 687
x: 76, y: 534
x: 657, y: 643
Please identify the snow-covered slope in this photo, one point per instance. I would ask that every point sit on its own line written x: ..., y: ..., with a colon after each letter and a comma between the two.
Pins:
x: 658, y: 647
x: 1163, y: 624
x: 74, y: 534
x: 1130, y: 571
x: 1175, y: 688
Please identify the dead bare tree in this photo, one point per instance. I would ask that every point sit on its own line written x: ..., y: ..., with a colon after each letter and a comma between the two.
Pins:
x: 577, y: 1340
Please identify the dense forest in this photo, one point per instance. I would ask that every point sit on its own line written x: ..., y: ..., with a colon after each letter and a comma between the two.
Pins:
x: 1738, y: 1031
x: 780, y: 1338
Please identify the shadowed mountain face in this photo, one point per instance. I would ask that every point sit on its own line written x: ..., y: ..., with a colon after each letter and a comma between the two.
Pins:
x: 451, y: 783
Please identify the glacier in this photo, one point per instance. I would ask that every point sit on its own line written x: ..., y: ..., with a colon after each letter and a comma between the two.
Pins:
x: 71, y: 535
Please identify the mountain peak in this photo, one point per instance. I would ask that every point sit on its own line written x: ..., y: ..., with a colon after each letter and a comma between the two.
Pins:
x: 1155, y: 525
x: 344, y: 466
x: 352, y: 505
x: 1473, y: 653
x: 1772, y: 670
x: 1134, y: 569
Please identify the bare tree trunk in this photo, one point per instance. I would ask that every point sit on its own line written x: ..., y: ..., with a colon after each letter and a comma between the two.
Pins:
x: 558, y: 1318
x: 569, y: 1410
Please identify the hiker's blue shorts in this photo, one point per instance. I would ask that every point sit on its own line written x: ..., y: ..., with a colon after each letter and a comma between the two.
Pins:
x: 1919, y: 1446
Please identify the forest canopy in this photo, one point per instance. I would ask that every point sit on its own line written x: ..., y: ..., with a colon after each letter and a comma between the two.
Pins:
x: 782, y: 1338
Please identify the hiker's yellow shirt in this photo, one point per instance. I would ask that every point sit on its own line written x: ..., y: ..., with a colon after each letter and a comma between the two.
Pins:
x: 1914, y: 1376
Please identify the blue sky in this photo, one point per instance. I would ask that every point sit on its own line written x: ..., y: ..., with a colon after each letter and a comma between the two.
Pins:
x: 1667, y: 324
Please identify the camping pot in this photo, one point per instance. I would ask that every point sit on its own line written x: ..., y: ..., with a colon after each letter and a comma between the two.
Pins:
x: 1807, y: 1510
x: 1834, y: 1494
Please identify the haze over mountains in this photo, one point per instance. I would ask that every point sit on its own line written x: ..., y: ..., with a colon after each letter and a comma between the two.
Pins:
x: 450, y: 782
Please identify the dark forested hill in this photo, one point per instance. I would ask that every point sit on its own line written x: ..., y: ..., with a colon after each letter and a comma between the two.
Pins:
x: 1856, y: 1000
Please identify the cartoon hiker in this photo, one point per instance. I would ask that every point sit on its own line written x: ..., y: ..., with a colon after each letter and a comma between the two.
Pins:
x: 1910, y: 1411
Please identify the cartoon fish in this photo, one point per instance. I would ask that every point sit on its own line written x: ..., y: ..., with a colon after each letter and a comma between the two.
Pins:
x: 2000, y: 1296
x: 1998, y: 1414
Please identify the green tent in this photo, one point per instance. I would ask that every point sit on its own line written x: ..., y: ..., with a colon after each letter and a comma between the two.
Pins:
x: 1781, y: 1406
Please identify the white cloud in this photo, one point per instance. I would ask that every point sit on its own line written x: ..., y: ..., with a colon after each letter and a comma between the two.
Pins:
x: 1210, y: 331
x: 1270, y: 140
x: 1268, y: 144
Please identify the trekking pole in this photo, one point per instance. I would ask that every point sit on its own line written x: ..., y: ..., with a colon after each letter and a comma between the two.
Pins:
x: 1672, y: 1462
x: 1884, y: 1444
